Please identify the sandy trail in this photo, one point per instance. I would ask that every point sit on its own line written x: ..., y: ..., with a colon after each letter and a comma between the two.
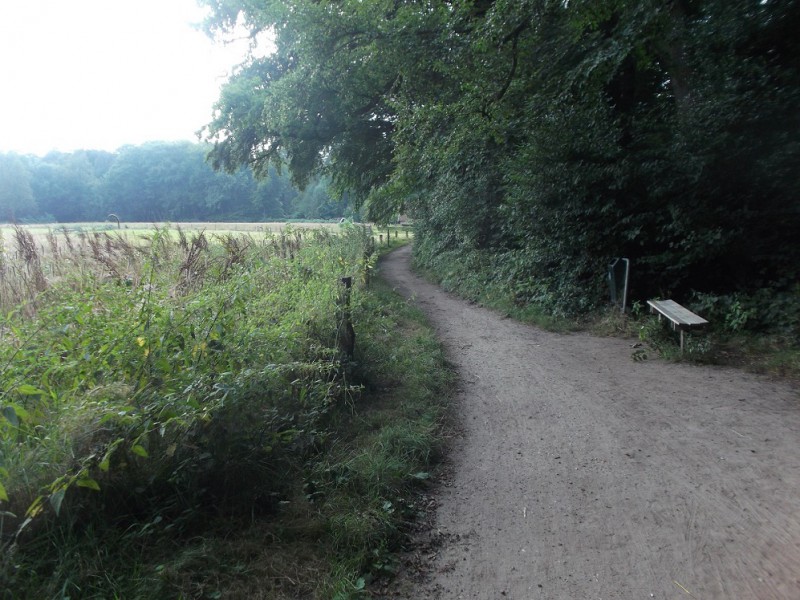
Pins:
x: 580, y: 473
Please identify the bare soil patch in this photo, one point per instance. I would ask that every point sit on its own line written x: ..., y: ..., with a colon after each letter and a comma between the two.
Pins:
x: 580, y: 473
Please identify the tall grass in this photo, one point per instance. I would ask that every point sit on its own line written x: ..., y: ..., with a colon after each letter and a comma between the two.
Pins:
x: 178, y: 418
x: 149, y: 386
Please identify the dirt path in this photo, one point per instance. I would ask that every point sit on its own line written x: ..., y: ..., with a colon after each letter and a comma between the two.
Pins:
x: 580, y: 473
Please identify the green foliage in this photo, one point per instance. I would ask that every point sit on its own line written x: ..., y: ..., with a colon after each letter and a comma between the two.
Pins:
x: 658, y: 336
x: 765, y: 311
x: 173, y: 182
x: 154, y: 182
x: 171, y: 394
x: 482, y: 277
x: 549, y: 136
x: 324, y: 101
x: 16, y: 196
x: 206, y: 386
x: 67, y: 186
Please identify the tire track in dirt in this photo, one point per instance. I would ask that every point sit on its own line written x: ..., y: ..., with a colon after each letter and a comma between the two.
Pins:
x: 579, y: 473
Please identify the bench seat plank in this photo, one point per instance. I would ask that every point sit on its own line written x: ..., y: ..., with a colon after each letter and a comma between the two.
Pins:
x: 681, y: 317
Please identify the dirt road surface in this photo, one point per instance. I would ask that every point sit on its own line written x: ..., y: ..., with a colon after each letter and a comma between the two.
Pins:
x: 579, y: 473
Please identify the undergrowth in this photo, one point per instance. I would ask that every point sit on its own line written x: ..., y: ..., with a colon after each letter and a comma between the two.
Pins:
x: 180, y: 420
x: 773, y: 350
x: 474, y: 276
x: 758, y: 332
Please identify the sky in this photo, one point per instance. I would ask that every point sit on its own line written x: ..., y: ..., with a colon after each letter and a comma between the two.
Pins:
x: 100, y: 74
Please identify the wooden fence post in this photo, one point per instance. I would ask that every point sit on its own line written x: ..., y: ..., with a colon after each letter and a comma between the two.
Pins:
x: 346, y: 335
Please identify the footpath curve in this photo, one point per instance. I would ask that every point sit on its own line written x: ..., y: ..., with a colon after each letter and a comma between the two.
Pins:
x: 578, y: 473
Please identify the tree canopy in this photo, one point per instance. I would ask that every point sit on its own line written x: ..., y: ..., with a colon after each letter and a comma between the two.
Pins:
x: 157, y: 181
x: 547, y: 136
x: 16, y: 195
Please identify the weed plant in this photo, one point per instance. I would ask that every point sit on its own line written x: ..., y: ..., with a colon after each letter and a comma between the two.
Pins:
x: 152, y: 391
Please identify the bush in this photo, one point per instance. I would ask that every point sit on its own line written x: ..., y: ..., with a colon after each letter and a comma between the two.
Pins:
x: 193, y: 389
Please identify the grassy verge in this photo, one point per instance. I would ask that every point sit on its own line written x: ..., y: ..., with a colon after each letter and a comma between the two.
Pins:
x: 473, y: 278
x: 177, y: 420
x: 759, y: 333
x: 757, y: 352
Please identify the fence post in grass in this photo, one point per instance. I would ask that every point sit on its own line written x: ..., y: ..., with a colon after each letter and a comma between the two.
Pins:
x: 346, y: 335
x: 369, y: 250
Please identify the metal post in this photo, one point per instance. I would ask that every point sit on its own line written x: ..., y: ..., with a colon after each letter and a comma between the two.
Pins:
x: 625, y: 289
x: 618, y: 275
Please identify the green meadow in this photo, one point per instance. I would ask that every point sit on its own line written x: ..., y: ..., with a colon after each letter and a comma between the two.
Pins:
x: 184, y: 412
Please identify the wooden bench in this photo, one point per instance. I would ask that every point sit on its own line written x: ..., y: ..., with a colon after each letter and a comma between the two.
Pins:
x: 680, y: 317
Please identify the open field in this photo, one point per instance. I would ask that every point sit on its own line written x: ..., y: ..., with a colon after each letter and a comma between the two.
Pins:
x: 275, y: 226
x: 130, y: 231
x: 32, y: 256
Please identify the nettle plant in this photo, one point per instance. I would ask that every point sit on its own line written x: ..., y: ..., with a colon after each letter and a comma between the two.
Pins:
x: 187, y: 372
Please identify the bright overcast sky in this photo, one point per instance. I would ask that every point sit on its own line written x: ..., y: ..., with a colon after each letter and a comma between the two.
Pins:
x: 99, y: 74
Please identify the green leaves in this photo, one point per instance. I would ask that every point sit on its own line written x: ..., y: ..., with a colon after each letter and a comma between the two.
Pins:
x: 14, y: 414
x: 171, y: 180
x: 88, y: 482
x: 139, y: 450
x: 56, y: 498
x: 327, y: 99
x: 3, y: 493
x: 199, y: 393
x: 165, y: 393
x: 601, y: 151
x: 29, y: 390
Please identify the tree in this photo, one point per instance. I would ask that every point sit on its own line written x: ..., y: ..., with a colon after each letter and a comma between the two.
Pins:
x: 16, y: 195
x: 315, y: 202
x: 273, y: 196
x: 65, y: 187
x: 546, y: 136
x: 152, y: 182
x: 161, y: 181
x: 657, y: 149
x: 324, y: 102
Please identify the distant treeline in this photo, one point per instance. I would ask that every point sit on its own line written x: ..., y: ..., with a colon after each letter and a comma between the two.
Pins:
x: 157, y: 181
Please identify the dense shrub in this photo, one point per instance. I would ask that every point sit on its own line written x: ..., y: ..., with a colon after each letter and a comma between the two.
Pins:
x: 190, y: 385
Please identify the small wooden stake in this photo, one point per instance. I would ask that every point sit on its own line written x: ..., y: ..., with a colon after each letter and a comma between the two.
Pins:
x: 346, y: 334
